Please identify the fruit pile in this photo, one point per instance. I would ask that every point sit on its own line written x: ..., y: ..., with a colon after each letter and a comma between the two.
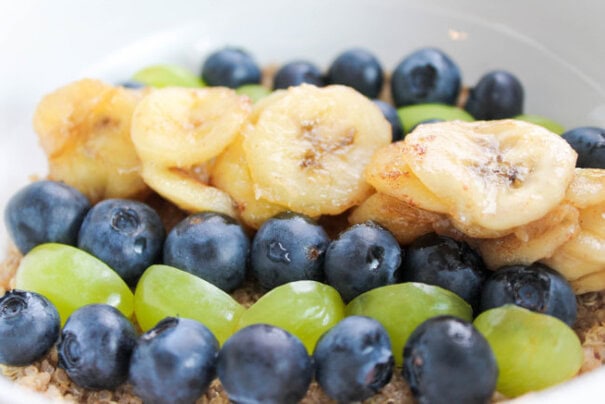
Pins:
x: 321, y: 234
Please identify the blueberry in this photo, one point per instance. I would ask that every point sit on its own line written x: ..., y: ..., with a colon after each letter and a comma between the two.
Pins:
x: 29, y: 327
x: 589, y: 143
x: 363, y: 257
x: 428, y: 121
x: 174, y: 362
x: 262, y: 363
x: 535, y: 287
x: 445, y: 262
x: 427, y: 75
x: 45, y: 211
x: 391, y: 115
x: 359, y: 69
x: 296, y: 73
x: 230, y: 67
x: 211, y: 246
x: 497, y: 95
x: 353, y: 360
x: 446, y: 360
x: 132, y: 84
x: 286, y: 248
x: 127, y: 235
x: 95, y: 346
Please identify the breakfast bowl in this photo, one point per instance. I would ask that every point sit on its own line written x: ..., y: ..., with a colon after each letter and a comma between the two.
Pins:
x: 554, y: 50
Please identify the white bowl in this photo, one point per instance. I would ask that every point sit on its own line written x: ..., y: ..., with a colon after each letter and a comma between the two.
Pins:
x: 554, y: 47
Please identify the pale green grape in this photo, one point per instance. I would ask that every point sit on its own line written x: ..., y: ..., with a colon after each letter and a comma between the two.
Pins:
x: 402, y: 307
x: 542, y: 121
x: 71, y: 278
x: 414, y: 114
x: 306, y: 309
x: 166, y: 76
x: 254, y: 91
x: 533, y: 350
x: 166, y: 291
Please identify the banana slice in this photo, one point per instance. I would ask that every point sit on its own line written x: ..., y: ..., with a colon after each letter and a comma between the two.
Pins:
x: 308, y: 147
x: 534, y: 241
x: 405, y: 221
x: 390, y: 174
x: 84, y: 129
x: 230, y: 173
x: 585, y: 253
x: 587, y: 188
x: 177, y: 132
x: 495, y: 174
x: 590, y: 283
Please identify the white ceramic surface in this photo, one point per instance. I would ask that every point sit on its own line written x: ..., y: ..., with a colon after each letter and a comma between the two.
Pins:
x: 554, y: 47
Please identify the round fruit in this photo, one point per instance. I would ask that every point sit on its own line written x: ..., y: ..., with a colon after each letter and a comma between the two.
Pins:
x: 359, y: 69
x: 264, y: 364
x: 306, y: 309
x: 363, y: 257
x: 497, y: 95
x: 45, y: 212
x: 391, y: 115
x: 589, y: 143
x: 230, y: 67
x: 535, y: 287
x: 446, y: 360
x: 353, y: 360
x: 127, y: 235
x: 402, y: 307
x: 427, y: 75
x: 71, y: 278
x: 296, y: 73
x: 174, y: 362
x: 29, y: 327
x: 533, y: 350
x: 95, y: 347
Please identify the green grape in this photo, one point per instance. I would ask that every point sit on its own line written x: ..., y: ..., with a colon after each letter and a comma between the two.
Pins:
x: 71, y: 278
x: 414, y: 114
x: 542, y: 121
x: 306, y: 309
x: 402, y: 307
x: 166, y: 291
x: 254, y: 91
x: 167, y: 75
x: 533, y: 350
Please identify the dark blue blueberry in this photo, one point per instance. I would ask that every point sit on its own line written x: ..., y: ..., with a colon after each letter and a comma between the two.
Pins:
x: 43, y: 212
x: 127, y: 235
x: 428, y: 121
x: 391, y: 115
x: 497, y: 95
x: 425, y: 76
x: 211, y: 246
x: 230, y: 67
x: 29, y: 327
x: 353, y: 360
x: 264, y: 364
x: 535, y: 287
x: 359, y: 69
x: 446, y: 360
x: 95, y: 347
x: 135, y: 85
x: 363, y: 257
x: 286, y: 248
x: 589, y: 143
x: 445, y: 262
x: 174, y: 362
x: 296, y: 73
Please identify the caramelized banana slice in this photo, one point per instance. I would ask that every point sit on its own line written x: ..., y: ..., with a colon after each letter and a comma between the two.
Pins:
x: 495, y: 174
x: 390, y: 174
x: 84, y: 129
x: 177, y: 132
x: 587, y: 188
x: 534, y: 241
x: 308, y: 147
x: 405, y: 221
x: 230, y: 173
